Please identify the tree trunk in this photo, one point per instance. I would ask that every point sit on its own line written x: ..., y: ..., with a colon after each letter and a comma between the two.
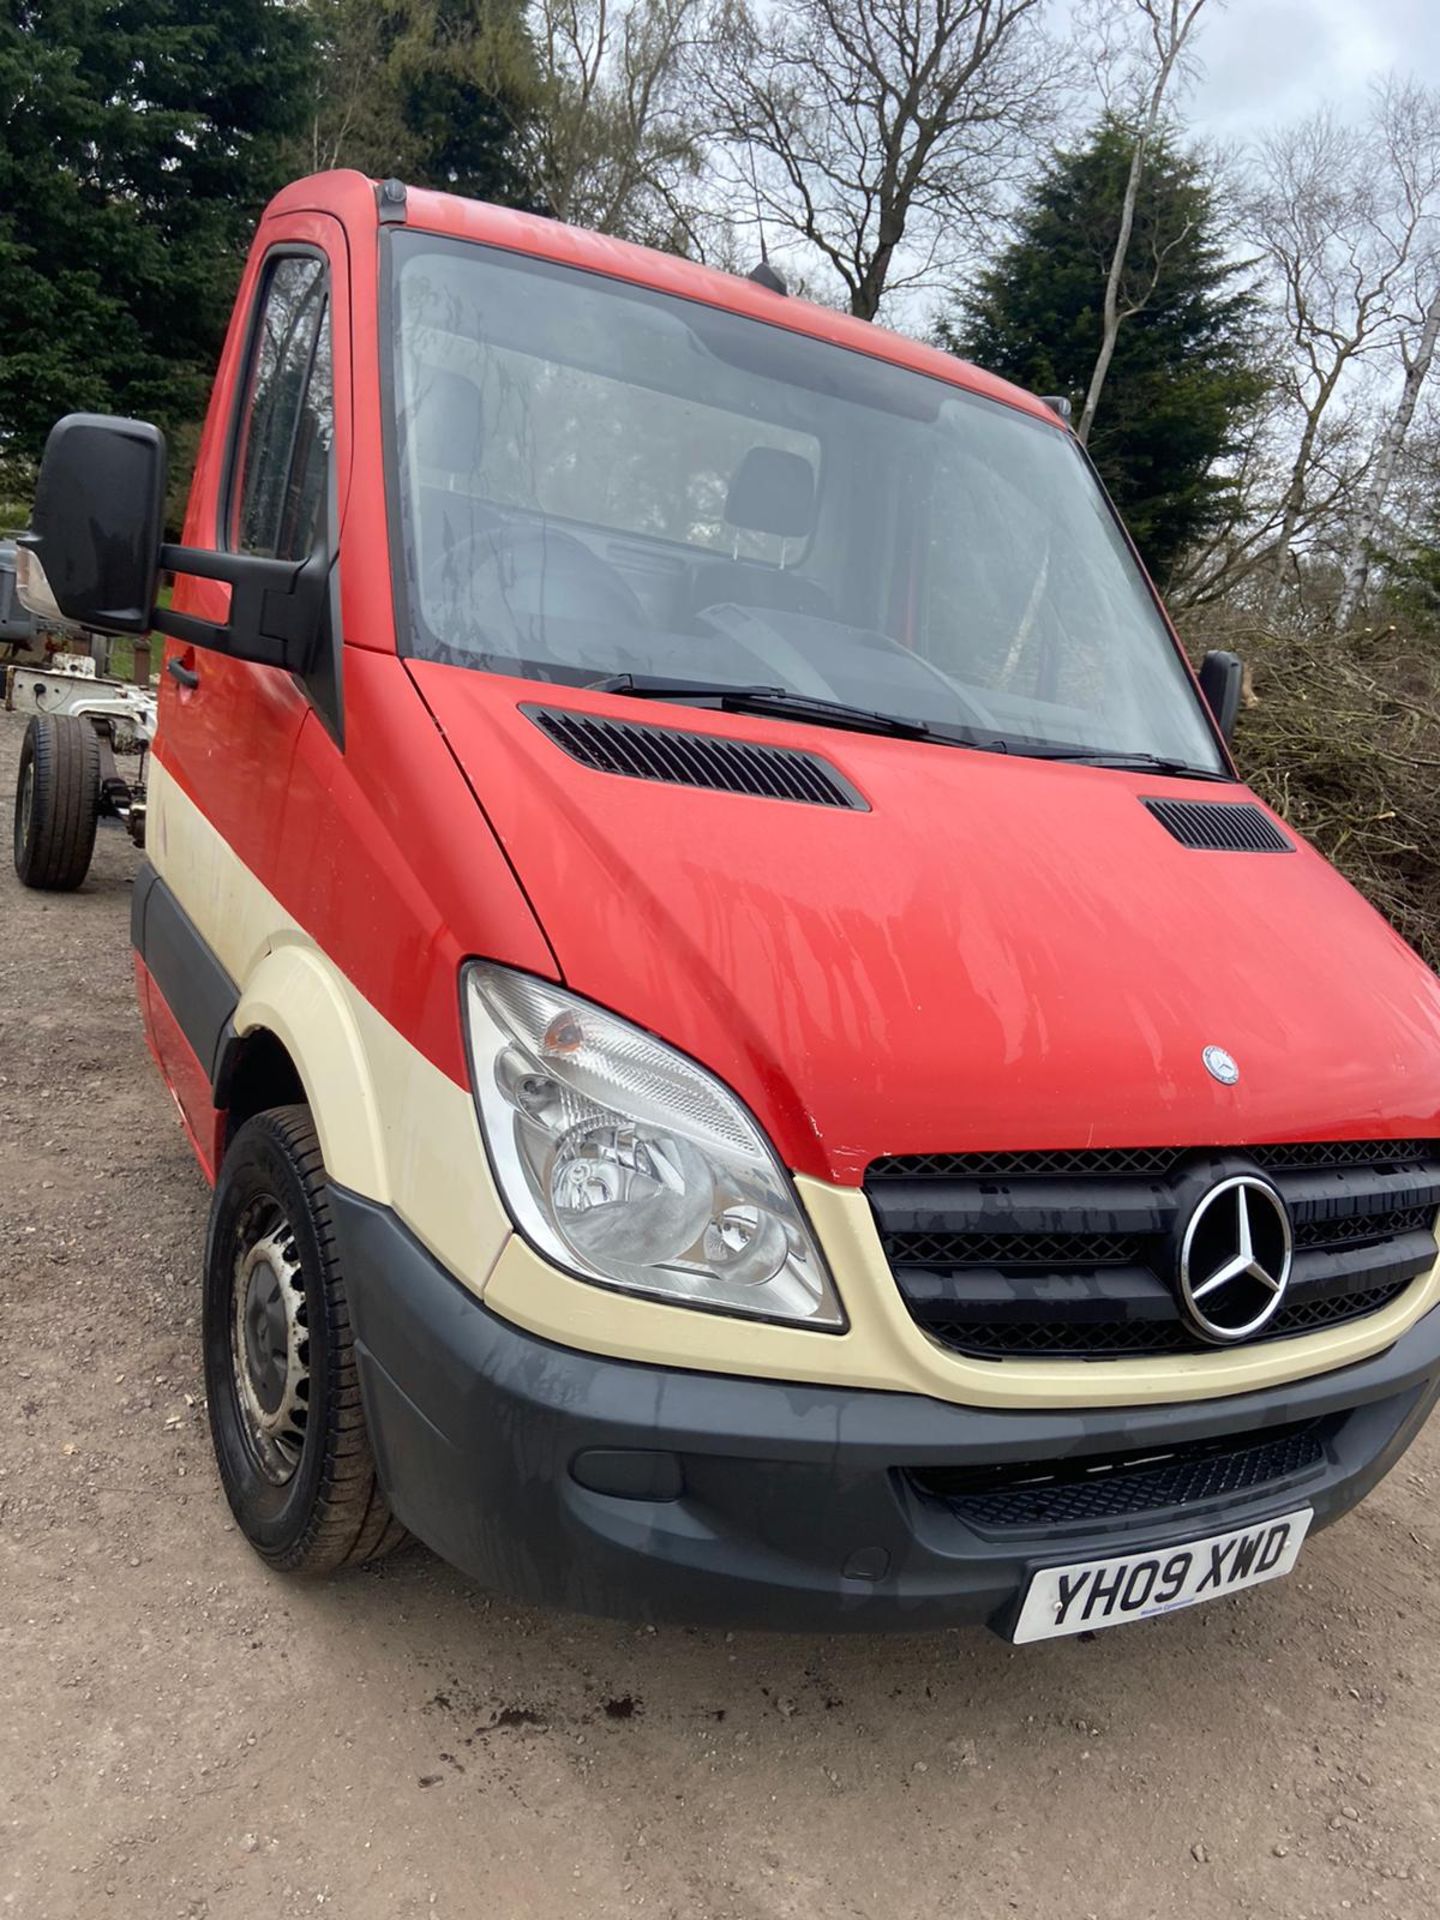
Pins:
x: 1293, y: 501
x: 1110, y: 319
x: 1372, y: 504
x: 869, y: 289
x: 1294, y: 497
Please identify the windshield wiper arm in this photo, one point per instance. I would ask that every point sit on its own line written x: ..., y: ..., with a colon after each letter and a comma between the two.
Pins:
x: 1137, y: 762
x: 737, y: 698
x: 656, y: 686
x: 734, y: 698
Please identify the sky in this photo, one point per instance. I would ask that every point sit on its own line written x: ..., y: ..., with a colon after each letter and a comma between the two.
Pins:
x: 1261, y: 64
x: 1268, y: 61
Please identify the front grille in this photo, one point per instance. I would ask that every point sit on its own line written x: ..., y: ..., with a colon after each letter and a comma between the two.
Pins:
x: 1127, y: 1339
x: 1371, y: 1227
x: 1090, y: 1162
x: 1010, y: 1249
x: 1120, y: 1487
x: 1070, y: 1254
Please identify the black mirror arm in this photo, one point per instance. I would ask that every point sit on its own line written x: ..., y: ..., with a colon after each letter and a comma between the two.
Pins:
x: 275, y: 605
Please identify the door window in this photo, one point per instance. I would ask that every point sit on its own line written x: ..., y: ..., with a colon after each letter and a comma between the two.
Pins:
x: 288, y: 423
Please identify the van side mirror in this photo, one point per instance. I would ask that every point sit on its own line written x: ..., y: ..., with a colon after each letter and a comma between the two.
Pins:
x: 92, y: 554
x: 1221, y: 676
x: 95, y: 549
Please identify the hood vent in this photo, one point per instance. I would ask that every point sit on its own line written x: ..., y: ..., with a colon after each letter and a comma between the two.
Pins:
x: 695, y: 759
x: 1220, y: 826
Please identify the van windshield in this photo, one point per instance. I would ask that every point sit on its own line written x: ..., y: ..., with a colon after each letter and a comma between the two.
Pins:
x: 597, y: 481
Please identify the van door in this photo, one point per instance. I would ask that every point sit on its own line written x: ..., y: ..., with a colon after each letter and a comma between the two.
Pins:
x: 269, y: 480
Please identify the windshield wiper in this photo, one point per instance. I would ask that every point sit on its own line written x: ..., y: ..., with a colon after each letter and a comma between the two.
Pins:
x: 732, y: 698
x: 1126, y: 762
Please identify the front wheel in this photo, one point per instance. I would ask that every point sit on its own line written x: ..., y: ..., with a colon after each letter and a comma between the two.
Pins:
x: 57, y: 802
x: 280, y: 1376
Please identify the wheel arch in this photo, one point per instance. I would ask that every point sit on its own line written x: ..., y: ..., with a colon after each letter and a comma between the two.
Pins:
x: 293, y: 1037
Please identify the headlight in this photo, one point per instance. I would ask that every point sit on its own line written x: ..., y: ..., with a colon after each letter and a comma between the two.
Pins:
x: 626, y: 1163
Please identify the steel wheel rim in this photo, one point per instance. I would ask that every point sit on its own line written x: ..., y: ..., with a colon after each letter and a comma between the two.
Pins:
x: 269, y: 1339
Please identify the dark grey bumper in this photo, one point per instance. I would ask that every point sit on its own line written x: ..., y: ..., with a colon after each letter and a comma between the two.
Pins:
x: 615, y: 1488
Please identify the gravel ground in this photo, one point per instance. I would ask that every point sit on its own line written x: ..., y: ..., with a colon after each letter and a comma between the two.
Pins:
x: 185, y: 1734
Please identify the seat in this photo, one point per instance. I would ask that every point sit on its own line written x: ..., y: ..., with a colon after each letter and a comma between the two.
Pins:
x: 772, y: 492
x: 443, y: 434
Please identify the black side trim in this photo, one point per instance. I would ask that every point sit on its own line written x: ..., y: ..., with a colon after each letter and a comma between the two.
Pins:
x: 145, y: 879
x: 227, y: 1054
x: 197, y: 989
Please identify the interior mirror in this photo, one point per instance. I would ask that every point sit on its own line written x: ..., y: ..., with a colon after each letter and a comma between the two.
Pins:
x: 92, y: 554
x: 1221, y: 675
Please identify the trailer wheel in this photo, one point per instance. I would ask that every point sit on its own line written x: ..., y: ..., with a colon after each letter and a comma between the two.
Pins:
x: 57, y: 802
x: 280, y: 1376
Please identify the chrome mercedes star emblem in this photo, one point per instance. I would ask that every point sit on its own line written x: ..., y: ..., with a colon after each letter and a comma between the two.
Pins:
x: 1221, y: 1066
x: 1235, y: 1259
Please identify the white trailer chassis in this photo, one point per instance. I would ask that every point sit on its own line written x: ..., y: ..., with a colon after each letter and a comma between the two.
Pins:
x: 123, y: 717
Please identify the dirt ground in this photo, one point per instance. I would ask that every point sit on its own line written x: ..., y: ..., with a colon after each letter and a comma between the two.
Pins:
x: 184, y: 1734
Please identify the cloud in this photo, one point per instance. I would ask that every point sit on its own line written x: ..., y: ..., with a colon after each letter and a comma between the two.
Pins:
x: 1267, y: 61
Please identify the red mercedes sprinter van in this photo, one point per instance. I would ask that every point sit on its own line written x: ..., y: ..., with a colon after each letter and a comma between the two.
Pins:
x: 758, y: 1063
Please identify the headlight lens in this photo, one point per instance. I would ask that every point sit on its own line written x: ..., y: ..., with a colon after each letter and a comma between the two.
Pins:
x: 629, y: 1165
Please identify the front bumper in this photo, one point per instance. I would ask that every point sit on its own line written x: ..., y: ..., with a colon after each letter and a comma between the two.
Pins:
x: 615, y: 1488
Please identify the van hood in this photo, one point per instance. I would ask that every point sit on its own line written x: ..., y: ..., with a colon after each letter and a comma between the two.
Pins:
x: 997, y: 953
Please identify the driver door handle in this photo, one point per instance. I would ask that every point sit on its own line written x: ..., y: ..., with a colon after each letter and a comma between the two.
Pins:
x: 187, y: 676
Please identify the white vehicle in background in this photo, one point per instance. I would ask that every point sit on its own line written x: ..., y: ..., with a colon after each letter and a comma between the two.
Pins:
x: 22, y: 638
x: 82, y: 723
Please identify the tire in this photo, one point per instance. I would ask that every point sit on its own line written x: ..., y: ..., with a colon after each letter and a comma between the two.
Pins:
x: 57, y: 802
x: 280, y: 1376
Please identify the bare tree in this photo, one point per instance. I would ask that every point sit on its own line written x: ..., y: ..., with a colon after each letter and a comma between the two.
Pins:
x: 1166, y: 27
x: 1242, y: 550
x: 1407, y: 539
x: 1409, y: 131
x: 616, y: 147
x: 1340, y: 235
x: 878, y: 133
x: 1416, y: 360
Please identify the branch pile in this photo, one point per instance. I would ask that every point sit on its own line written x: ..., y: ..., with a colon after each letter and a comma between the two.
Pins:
x: 1343, y: 739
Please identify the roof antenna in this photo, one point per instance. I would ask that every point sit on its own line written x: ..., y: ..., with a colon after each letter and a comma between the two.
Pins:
x: 764, y: 275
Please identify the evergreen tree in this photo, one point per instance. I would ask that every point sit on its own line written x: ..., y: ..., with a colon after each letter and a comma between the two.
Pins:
x: 138, y: 141
x: 440, y: 93
x: 1184, y: 371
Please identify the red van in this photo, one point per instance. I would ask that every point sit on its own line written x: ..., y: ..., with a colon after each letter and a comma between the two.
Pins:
x: 757, y: 1061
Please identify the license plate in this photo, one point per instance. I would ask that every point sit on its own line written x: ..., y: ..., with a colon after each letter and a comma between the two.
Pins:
x: 1135, y: 1586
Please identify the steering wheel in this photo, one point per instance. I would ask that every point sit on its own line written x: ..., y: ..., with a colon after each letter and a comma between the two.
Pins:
x: 507, y: 581
x: 765, y: 639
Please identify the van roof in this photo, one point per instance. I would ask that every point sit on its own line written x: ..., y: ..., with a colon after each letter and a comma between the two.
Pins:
x: 341, y: 193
